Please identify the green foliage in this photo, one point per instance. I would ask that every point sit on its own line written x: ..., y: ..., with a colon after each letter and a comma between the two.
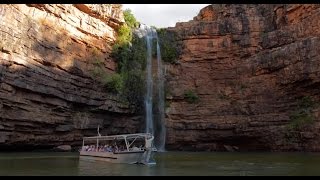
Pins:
x: 95, y: 53
x: 131, y: 64
x: 130, y: 53
x: 167, y: 104
x: 139, y: 52
x: 299, y: 118
x: 125, y: 31
x: 168, y: 46
x: 122, y: 54
x: 98, y: 62
x: 191, y: 96
x: 303, y: 114
x: 97, y: 72
x: 130, y: 19
x: 306, y: 103
x: 113, y: 83
x: 124, y: 35
x: 134, y: 88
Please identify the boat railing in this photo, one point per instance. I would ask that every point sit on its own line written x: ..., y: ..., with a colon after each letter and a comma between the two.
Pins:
x: 129, y: 145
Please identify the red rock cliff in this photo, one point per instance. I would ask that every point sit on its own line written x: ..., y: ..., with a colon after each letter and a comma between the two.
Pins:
x: 251, y: 67
x: 47, y: 93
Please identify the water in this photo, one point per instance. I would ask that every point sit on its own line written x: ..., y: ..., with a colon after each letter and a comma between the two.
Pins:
x: 162, y: 129
x: 168, y: 163
x: 155, y: 126
x: 148, y: 98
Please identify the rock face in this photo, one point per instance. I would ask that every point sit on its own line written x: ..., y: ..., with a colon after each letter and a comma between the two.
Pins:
x: 250, y: 66
x: 251, y: 71
x: 48, y: 93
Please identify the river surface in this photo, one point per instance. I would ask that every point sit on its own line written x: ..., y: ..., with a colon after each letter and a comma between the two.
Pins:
x: 168, y: 163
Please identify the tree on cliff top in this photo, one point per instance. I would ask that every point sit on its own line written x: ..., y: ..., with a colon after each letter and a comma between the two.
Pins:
x: 130, y: 19
x: 130, y: 52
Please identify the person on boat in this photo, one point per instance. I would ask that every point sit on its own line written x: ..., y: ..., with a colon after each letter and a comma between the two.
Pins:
x: 93, y: 148
x: 110, y: 149
x: 122, y: 148
x: 100, y: 148
x: 134, y: 148
x: 116, y: 149
x: 107, y: 148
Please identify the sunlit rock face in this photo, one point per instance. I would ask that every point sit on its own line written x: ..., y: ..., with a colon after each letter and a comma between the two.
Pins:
x: 48, y: 93
x: 251, y: 66
x: 254, y: 69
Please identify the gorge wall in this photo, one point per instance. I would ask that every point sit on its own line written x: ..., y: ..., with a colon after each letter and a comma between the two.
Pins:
x: 48, y: 58
x: 255, y: 69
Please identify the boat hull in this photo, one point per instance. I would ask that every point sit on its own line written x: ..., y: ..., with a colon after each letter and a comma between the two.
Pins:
x: 128, y: 157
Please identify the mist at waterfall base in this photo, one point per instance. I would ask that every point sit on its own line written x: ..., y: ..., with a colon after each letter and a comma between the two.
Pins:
x: 154, y: 88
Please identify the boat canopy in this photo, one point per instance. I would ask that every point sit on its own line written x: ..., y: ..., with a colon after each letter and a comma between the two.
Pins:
x: 122, y: 136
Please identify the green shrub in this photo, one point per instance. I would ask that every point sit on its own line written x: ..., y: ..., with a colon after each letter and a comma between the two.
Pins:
x: 125, y: 32
x: 168, y: 45
x: 130, y: 19
x: 113, y: 83
x: 299, y: 118
x: 167, y: 104
x: 124, y: 35
x: 138, y: 53
x: 130, y: 54
x: 306, y: 103
x: 97, y: 72
x: 302, y: 116
x: 134, y: 88
x: 129, y: 51
x: 191, y: 96
x: 95, y: 52
x: 98, y: 62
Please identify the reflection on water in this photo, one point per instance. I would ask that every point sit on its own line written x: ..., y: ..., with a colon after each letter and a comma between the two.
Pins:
x: 38, y: 164
x: 168, y: 163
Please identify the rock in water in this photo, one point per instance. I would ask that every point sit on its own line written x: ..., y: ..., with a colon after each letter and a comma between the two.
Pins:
x: 63, y: 148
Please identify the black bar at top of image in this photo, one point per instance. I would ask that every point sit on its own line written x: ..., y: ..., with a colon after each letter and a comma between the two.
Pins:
x: 157, y: 1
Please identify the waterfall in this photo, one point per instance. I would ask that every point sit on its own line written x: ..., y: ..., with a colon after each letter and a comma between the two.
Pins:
x: 154, y: 124
x: 148, y: 98
x: 162, y: 129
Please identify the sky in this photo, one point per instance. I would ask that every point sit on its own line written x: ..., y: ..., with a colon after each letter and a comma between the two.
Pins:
x: 164, y: 15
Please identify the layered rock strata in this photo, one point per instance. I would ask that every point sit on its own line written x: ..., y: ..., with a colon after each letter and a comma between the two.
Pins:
x: 48, y: 92
x: 251, y: 67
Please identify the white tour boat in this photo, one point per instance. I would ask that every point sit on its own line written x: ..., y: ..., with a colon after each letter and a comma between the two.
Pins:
x: 125, y: 148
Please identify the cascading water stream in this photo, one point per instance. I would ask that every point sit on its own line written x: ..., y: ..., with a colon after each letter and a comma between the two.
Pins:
x: 162, y: 129
x: 154, y: 125
x: 148, y: 98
